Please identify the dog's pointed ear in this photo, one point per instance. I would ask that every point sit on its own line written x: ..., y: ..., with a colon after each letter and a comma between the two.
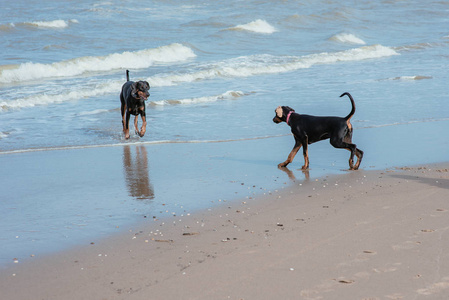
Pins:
x: 134, y: 90
x: 279, y: 112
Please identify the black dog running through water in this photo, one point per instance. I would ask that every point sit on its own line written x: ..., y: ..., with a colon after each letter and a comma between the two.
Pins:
x: 310, y: 129
x: 132, y: 100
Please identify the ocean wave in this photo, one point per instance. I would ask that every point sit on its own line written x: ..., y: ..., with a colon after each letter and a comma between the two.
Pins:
x: 7, y: 27
x: 244, y: 66
x: 52, y: 24
x: 93, y: 112
x: 229, y: 95
x: 405, y: 123
x: 3, y: 135
x: 268, y: 64
x: 347, y: 38
x: 418, y: 46
x: 258, y: 26
x: 55, y: 24
x: 409, y: 78
x: 78, y: 66
x: 54, y: 97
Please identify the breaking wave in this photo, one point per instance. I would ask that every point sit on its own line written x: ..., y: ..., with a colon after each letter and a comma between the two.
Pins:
x: 268, y: 64
x: 229, y: 95
x: 78, y: 66
x: 52, y: 24
x: 409, y: 78
x: 258, y: 26
x: 244, y: 66
x: 347, y: 38
x: 55, y: 24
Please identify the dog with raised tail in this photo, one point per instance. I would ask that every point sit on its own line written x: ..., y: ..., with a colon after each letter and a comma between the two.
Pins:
x: 308, y: 129
x: 132, y: 98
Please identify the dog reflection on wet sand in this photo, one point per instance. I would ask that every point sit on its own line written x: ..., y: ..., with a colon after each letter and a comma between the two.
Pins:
x: 137, y: 173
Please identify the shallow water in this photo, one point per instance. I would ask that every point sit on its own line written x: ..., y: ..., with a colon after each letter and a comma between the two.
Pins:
x: 217, y: 72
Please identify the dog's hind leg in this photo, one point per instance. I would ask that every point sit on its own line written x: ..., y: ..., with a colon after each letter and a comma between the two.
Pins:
x: 338, y: 143
x: 359, y: 154
x: 305, y: 151
x: 306, y: 158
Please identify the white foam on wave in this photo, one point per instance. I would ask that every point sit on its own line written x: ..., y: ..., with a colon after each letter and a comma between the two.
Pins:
x: 428, y: 120
x: 93, y: 112
x: 244, y: 66
x: 7, y: 27
x: 50, y: 24
x: 55, y: 24
x: 347, y: 38
x: 409, y: 78
x: 417, y: 77
x: 78, y: 66
x: 3, y: 135
x: 258, y: 26
x: 75, y: 93
x: 268, y: 64
x: 229, y: 95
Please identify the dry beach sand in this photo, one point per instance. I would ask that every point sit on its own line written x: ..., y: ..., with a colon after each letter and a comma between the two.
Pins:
x: 360, y: 235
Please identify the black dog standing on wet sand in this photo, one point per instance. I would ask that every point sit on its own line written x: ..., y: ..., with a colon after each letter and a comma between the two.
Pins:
x: 133, y: 98
x: 310, y: 129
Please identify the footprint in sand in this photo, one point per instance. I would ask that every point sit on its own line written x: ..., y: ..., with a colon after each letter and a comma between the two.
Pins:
x: 388, y: 268
x: 436, y: 288
x: 405, y: 246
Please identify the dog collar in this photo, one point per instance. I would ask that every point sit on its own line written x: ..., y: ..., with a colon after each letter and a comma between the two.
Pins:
x: 288, y: 116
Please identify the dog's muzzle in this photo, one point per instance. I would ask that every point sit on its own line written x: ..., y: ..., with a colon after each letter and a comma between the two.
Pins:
x: 143, y: 95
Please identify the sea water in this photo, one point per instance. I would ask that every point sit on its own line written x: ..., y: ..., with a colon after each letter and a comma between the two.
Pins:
x: 217, y: 72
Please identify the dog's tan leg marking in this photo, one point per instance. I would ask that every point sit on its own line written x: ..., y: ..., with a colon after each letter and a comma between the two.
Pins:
x: 306, y: 159
x: 351, y: 160
x: 125, y: 125
x: 124, y: 119
x: 136, y: 119
x: 290, y: 157
x: 359, y: 154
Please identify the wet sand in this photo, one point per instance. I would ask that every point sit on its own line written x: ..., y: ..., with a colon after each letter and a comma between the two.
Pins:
x: 361, y: 235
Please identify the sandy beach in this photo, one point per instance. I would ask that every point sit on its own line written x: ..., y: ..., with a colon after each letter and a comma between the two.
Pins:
x: 360, y: 235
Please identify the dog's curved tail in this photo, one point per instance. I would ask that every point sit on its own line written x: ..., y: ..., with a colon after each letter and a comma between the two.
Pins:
x: 127, y: 75
x: 352, y: 103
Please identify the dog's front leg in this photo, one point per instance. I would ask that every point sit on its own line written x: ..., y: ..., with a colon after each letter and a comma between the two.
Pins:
x: 126, y: 127
x: 291, y: 156
x: 136, y: 126
x: 123, y: 112
x: 143, y: 129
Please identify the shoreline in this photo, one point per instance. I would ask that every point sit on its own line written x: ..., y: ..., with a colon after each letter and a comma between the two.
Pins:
x: 360, y: 235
